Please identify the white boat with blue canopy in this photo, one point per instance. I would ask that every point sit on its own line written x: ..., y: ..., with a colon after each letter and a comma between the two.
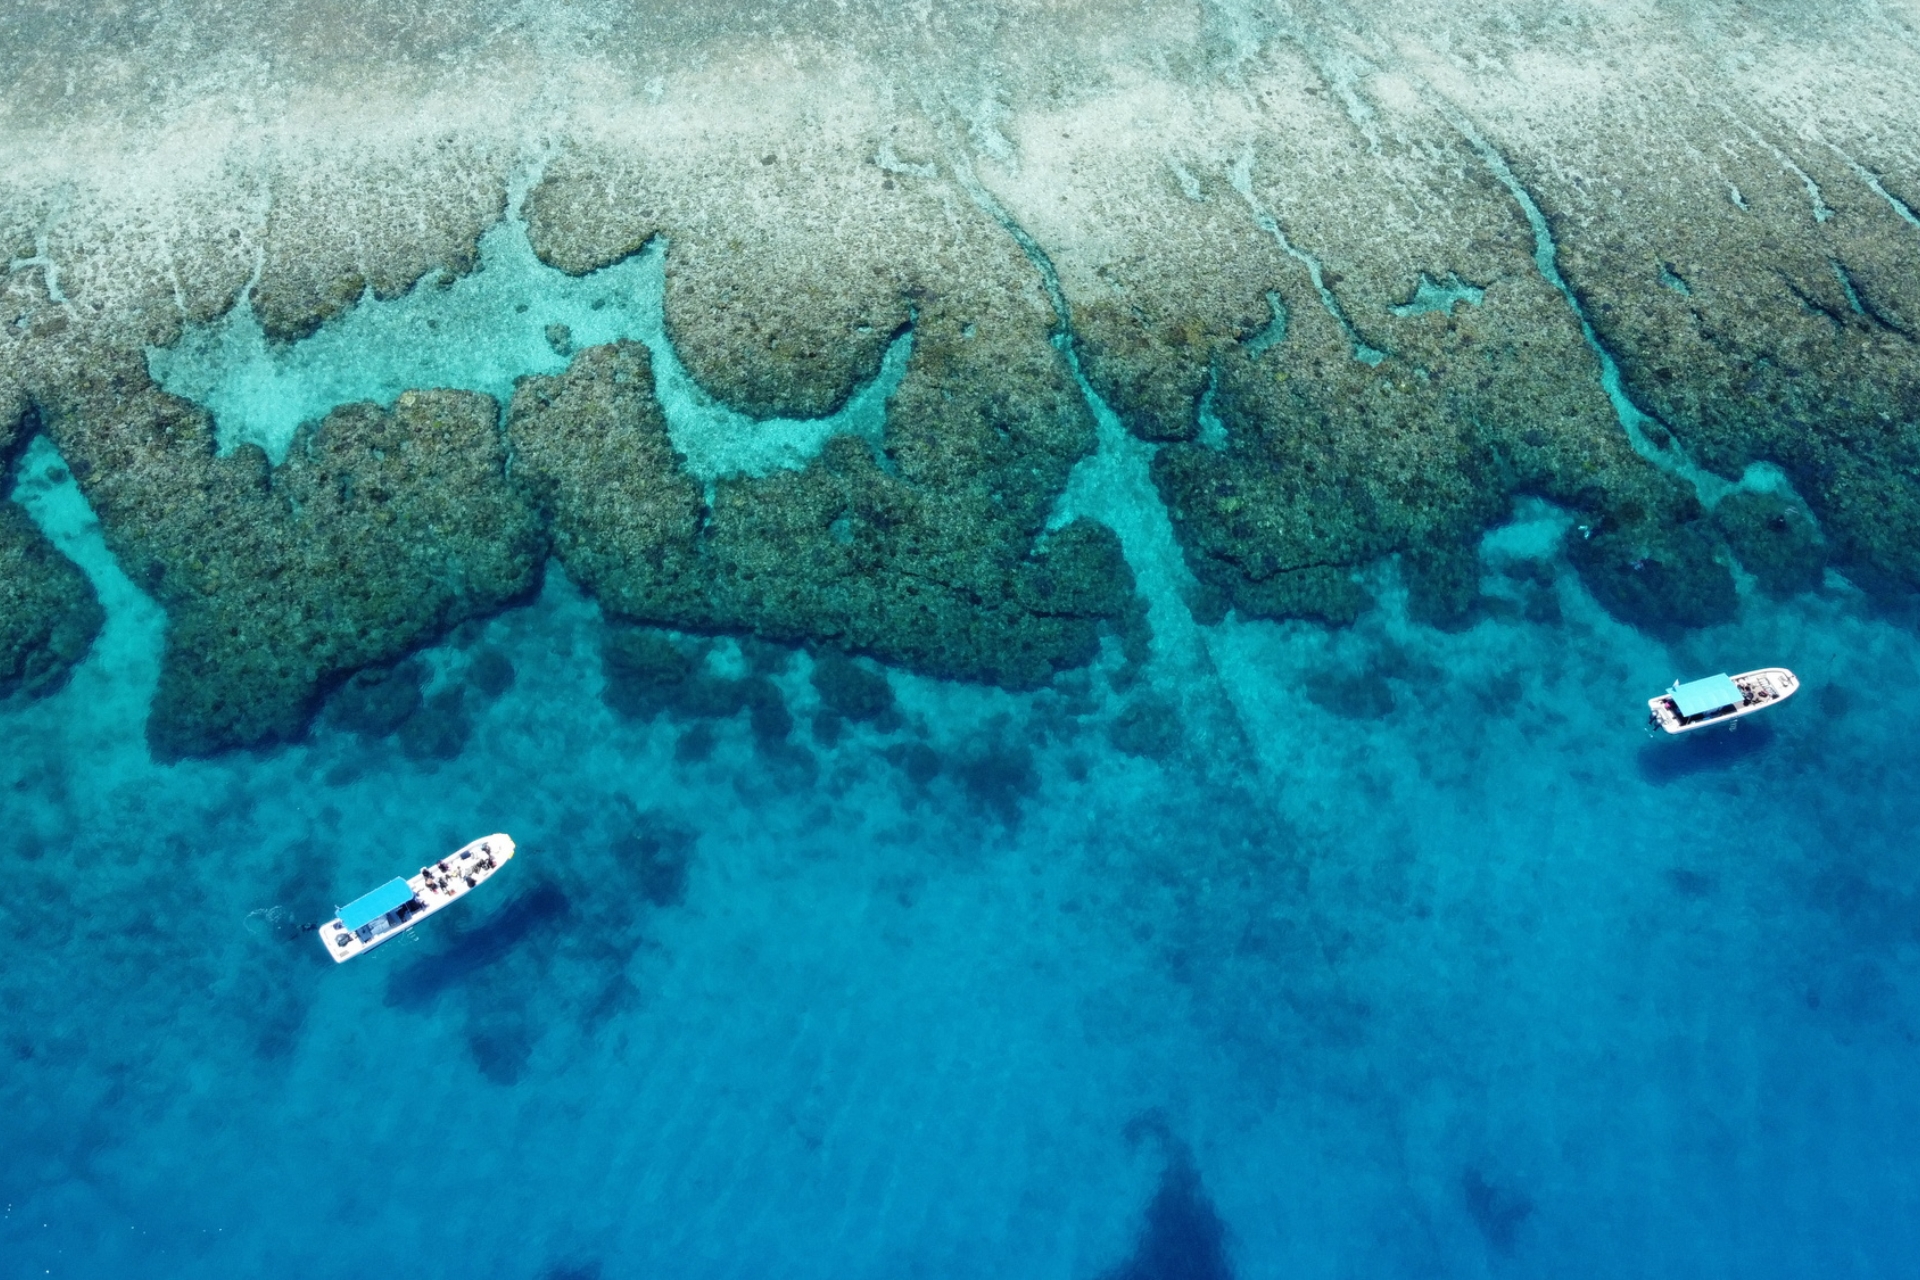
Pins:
x: 1720, y: 698
x: 398, y: 905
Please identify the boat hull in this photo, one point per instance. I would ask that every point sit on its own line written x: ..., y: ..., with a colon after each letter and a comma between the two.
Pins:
x: 1760, y: 689
x: 435, y: 887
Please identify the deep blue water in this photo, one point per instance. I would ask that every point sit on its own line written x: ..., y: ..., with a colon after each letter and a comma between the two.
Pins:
x: 1410, y: 955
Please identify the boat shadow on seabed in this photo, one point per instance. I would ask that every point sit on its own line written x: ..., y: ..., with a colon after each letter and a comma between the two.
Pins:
x: 1704, y: 751
x: 478, y: 947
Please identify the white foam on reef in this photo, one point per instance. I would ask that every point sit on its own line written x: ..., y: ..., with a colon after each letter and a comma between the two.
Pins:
x: 512, y: 317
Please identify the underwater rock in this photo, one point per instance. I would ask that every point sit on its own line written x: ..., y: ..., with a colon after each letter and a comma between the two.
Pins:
x: 767, y: 713
x: 849, y: 690
x: 650, y: 673
x: 1359, y: 695
x: 645, y: 671
x: 378, y: 700
x: 1774, y: 541
x: 1183, y: 1237
x: 1317, y: 293
x: 1499, y: 1212
x: 439, y: 730
x: 1658, y: 578
x: 1350, y: 416
x: 382, y: 530
x: 331, y: 237
x: 999, y: 776
x: 932, y: 561
x: 927, y: 552
x: 1149, y: 726
x: 658, y: 851
x: 920, y: 762
x: 1763, y: 302
x: 49, y: 612
x: 1443, y: 585
x: 490, y: 673
x: 786, y: 331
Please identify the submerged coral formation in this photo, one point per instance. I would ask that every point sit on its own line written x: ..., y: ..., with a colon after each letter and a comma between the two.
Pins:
x: 905, y: 556
x: 1355, y: 292
x: 382, y: 529
x: 49, y: 613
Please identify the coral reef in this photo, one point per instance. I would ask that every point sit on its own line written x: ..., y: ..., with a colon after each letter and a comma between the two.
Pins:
x: 1355, y: 408
x: 399, y: 220
x: 788, y: 330
x: 910, y: 557
x: 1774, y: 540
x: 1764, y: 304
x: 49, y: 613
x: 383, y: 529
x: 651, y: 673
x: 1358, y: 292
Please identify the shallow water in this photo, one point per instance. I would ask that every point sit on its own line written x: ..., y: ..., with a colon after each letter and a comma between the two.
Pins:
x: 1409, y: 955
x: 1370, y: 952
x: 512, y: 317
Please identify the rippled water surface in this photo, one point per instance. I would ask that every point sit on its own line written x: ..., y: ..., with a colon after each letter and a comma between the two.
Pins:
x: 1382, y: 952
x: 1376, y: 951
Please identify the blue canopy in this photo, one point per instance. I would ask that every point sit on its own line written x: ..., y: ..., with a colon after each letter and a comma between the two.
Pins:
x: 1702, y: 696
x: 370, y: 907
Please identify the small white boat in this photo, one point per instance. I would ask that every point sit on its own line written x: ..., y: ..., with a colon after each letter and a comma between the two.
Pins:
x: 398, y: 905
x: 1719, y: 699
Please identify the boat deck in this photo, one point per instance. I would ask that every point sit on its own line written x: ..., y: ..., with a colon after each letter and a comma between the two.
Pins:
x: 433, y: 887
x: 1748, y: 692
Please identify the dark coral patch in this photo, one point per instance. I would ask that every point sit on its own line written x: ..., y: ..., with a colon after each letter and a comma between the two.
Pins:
x: 49, y: 613
x: 658, y: 852
x: 946, y: 576
x: 440, y: 728
x: 1148, y: 726
x: 383, y: 529
x: 1499, y: 1212
x: 1657, y: 577
x: 646, y: 671
x: 1774, y: 540
x: 1183, y: 1237
x: 849, y: 690
x: 490, y: 673
x: 377, y: 701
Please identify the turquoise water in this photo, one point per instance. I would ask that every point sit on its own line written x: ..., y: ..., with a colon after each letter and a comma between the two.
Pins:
x: 1412, y: 957
x: 512, y: 317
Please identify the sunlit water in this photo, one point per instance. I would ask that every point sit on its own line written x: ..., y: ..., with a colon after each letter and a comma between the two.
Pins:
x: 1409, y: 954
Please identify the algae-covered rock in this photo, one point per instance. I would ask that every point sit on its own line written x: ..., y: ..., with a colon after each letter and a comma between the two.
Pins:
x: 381, y: 530
x: 1774, y: 540
x: 788, y: 328
x: 929, y: 556
x: 650, y: 673
x: 849, y: 690
x: 378, y: 700
x: 330, y: 238
x: 929, y: 551
x: 49, y: 613
x: 646, y: 671
x: 1762, y: 299
x: 1375, y: 383
x: 1657, y: 577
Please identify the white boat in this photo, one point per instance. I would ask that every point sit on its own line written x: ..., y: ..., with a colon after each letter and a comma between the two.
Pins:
x: 1719, y: 699
x: 398, y: 905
